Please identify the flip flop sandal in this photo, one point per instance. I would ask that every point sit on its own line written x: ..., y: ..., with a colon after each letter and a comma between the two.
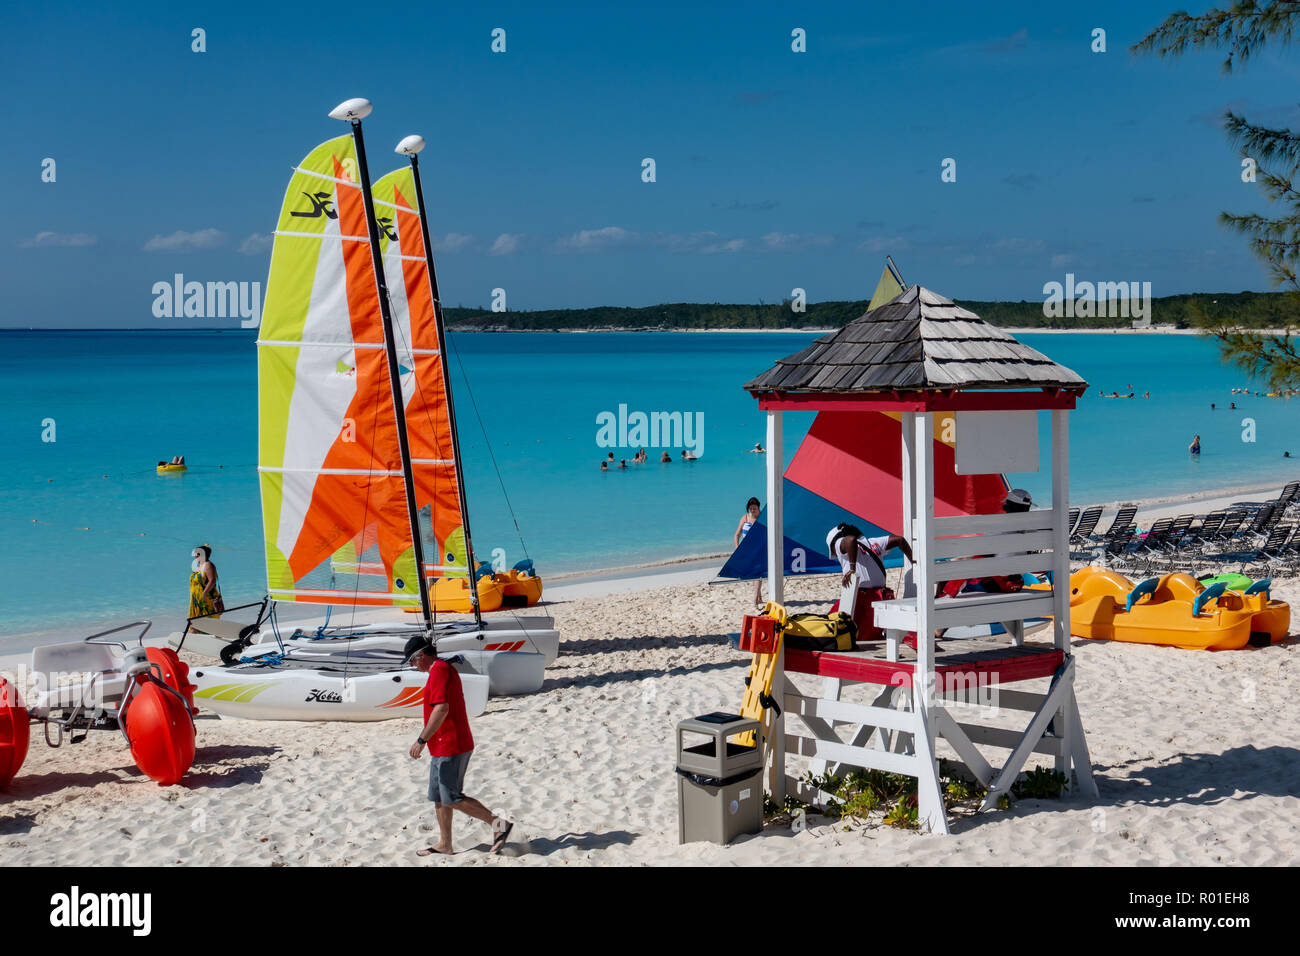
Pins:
x: 499, y: 843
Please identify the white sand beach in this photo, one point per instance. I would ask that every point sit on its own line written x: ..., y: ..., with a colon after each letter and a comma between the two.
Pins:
x: 1193, y: 753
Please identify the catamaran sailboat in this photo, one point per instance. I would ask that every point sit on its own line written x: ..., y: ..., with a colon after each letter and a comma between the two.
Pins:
x: 358, y: 443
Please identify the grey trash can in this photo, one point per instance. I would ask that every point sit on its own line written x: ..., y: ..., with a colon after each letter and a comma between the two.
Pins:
x: 719, y: 781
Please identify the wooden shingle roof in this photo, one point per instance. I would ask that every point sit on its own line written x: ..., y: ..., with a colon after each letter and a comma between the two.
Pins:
x: 918, y: 341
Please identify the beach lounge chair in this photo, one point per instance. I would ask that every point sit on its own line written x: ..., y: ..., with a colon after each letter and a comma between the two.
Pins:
x: 1123, y: 521
x: 1266, y: 518
x: 1178, y: 549
x: 1115, y: 552
x: 1087, y: 522
x: 1121, y: 527
x: 1232, y: 523
x: 1288, y: 495
x: 1256, y: 530
x: 1198, y: 541
x: 1263, y: 558
x: 1139, y: 558
x: 1071, y: 519
x: 1208, y: 530
x: 1288, y: 556
x: 1181, y: 527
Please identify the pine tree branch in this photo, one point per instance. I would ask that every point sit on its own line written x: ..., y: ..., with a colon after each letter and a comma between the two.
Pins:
x: 1241, y: 29
x: 1261, y: 143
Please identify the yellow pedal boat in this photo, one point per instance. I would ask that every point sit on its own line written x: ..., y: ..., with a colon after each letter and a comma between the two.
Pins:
x: 518, y: 588
x: 451, y: 596
x: 1174, y: 610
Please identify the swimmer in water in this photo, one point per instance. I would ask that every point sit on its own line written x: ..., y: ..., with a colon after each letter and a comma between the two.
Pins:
x: 1195, y: 446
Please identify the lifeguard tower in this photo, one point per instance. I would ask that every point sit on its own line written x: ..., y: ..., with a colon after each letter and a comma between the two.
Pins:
x: 919, y: 357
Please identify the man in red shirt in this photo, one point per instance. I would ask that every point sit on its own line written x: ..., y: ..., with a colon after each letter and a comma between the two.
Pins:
x: 447, y: 737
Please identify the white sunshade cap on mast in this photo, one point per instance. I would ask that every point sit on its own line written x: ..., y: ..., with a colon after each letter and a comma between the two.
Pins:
x: 410, y: 145
x: 354, y: 109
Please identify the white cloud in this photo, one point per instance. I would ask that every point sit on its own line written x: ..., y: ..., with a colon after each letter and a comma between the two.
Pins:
x: 705, y: 243
x: 731, y: 245
x: 1017, y: 245
x: 505, y: 244
x: 590, y: 240
x: 256, y: 244
x: 793, y: 241
x: 887, y: 244
x: 46, y: 239
x: 1061, y: 259
x: 452, y: 242
x: 182, y: 241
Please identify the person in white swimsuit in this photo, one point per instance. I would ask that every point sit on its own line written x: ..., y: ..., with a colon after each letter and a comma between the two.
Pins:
x: 747, y: 520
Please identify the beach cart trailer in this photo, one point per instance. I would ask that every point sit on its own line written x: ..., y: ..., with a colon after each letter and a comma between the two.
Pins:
x: 936, y: 365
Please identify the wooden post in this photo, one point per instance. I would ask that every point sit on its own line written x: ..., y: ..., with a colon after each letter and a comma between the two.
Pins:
x: 775, y: 517
x: 1060, y: 533
x: 776, y: 592
x: 909, y: 489
x: 907, y: 471
x: 1063, y: 722
x: 930, y: 811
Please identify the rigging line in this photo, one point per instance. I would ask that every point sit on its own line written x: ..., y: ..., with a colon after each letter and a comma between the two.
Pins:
x: 417, y: 386
x: 365, y: 511
x: 474, y: 403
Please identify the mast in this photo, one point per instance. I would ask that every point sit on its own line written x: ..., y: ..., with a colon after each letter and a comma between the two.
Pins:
x: 898, y: 276
x: 410, y: 147
x: 354, y: 111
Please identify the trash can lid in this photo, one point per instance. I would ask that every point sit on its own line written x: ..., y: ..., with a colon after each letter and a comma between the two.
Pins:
x: 719, y: 717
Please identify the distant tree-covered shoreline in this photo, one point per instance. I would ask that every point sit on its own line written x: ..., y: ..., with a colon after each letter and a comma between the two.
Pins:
x: 1252, y: 310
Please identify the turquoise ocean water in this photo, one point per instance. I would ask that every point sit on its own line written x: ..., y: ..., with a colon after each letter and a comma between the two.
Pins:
x: 92, y: 534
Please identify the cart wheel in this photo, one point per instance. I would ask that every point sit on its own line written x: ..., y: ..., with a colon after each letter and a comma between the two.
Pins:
x: 14, y: 733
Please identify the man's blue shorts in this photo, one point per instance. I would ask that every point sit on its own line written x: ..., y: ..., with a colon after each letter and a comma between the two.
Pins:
x: 447, y: 778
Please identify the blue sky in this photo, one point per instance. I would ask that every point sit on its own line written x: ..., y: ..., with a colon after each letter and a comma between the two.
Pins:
x: 775, y: 169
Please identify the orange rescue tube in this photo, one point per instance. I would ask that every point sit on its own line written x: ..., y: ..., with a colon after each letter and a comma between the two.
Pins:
x: 161, y: 732
x: 14, y: 733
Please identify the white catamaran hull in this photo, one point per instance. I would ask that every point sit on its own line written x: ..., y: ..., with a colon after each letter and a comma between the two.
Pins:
x: 306, y: 694
x: 531, y: 635
x: 508, y: 674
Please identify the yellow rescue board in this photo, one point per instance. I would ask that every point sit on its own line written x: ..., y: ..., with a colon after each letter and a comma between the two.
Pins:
x: 758, y: 681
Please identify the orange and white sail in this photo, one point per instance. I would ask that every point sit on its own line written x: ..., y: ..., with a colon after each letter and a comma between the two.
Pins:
x: 329, y: 461
x: 425, y: 378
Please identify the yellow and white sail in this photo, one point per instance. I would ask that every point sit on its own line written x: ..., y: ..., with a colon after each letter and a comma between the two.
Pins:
x: 328, y: 454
